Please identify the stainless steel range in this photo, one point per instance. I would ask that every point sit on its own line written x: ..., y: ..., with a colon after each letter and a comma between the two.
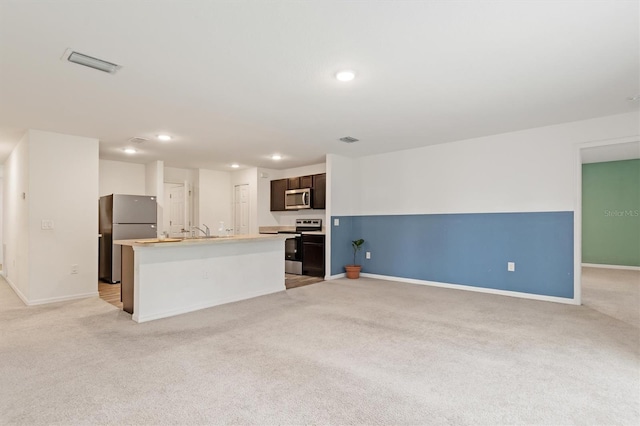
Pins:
x: 293, y: 245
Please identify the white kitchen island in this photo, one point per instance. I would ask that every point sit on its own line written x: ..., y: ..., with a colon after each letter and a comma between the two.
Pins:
x: 163, y: 279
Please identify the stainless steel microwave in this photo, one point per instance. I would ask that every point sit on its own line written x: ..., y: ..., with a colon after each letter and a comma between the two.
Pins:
x: 297, y: 199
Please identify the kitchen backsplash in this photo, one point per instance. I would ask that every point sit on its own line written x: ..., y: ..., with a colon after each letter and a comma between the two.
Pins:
x: 289, y: 218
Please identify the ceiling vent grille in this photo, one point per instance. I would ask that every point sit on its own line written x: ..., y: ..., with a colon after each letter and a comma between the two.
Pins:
x: 349, y: 139
x: 137, y: 140
x: 90, y: 61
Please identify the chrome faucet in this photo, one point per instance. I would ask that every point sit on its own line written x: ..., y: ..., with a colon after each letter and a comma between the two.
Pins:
x: 206, y: 233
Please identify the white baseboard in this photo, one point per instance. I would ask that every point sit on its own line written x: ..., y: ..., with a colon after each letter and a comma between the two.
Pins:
x: 49, y: 299
x: 15, y: 289
x: 476, y: 289
x: 598, y: 265
x: 335, y: 277
x: 62, y: 298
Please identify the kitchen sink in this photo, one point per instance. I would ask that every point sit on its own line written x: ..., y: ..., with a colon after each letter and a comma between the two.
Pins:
x: 202, y: 237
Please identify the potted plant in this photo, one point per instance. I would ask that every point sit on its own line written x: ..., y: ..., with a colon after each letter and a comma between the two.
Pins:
x: 353, y: 271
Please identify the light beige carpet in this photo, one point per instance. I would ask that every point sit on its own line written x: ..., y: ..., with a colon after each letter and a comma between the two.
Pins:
x: 613, y: 292
x: 338, y: 352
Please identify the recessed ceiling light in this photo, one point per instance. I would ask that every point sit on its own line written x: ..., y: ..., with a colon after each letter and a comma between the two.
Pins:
x: 345, y: 75
x: 164, y: 137
x: 276, y: 157
x: 633, y: 98
x: 130, y: 151
x: 235, y: 166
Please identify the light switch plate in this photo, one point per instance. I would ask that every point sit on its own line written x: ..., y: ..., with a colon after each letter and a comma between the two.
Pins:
x: 336, y: 222
x: 511, y: 266
x: 368, y: 255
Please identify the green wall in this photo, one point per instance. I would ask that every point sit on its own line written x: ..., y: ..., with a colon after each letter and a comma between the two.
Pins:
x: 611, y: 213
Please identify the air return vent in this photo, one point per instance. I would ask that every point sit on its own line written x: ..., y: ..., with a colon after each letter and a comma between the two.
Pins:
x: 349, y: 139
x: 137, y: 140
x: 90, y: 61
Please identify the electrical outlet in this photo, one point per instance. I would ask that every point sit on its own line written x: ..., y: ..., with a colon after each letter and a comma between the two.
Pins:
x: 46, y: 224
x: 511, y: 266
x: 336, y: 222
x: 368, y: 255
x: 205, y: 275
x: 74, y: 269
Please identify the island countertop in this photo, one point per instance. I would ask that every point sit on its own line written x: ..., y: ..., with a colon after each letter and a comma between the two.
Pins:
x: 177, y: 242
x: 163, y: 278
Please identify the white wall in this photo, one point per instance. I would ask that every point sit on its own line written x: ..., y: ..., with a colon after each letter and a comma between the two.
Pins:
x: 178, y: 175
x: 265, y: 176
x: 214, y: 199
x: 59, y: 176
x: 154, y: 185
x: 118, y: 177
x: 288, y: 218
x: 343, y: 186
x: 186, y: 177
x: 343, y: 195
x: 16, y: 218
x: 1, y: 220
x: 313, y: 169
x: 532, y: 170
x: 247, y: 177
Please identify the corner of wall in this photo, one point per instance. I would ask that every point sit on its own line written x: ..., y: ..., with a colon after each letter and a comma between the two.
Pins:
x: 15, y: 218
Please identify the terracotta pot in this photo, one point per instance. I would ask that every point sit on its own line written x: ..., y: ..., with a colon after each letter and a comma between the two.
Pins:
x: 353, y: 271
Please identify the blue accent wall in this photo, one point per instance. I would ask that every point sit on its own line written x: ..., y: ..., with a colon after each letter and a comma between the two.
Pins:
x: 468, y: 249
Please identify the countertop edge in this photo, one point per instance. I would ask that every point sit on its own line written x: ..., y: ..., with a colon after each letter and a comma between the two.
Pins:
x: 203, y: 241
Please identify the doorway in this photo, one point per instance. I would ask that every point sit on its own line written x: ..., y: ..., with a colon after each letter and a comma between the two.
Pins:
x: 178, y: 220
x: 241, y: 209
x: 604, y: 281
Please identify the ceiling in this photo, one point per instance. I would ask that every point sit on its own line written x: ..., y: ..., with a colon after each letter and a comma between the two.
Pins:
x: 237, y: 81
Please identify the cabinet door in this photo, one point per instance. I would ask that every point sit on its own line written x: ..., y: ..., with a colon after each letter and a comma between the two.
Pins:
x: 319, y: 191
x: 306, y: 182
x: 278, y: 187
x: 294, y: 183
x: 313, y: 255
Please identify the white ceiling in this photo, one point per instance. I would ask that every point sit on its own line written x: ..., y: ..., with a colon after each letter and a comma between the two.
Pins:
x: 236, y: 81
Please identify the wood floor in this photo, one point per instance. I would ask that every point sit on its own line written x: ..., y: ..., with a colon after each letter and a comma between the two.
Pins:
x: 111, y: 292
x: 293, y: 281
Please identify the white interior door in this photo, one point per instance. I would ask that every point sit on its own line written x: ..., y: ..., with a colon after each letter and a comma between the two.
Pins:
x: 177, y: 210
x: 241, y: 209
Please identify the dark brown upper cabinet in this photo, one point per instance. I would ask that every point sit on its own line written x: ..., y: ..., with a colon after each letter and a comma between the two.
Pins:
x: 306, y: 181
x: 278, y: 187
x: 319, y: 191
x: 317, y: 182
x: 294, y: 183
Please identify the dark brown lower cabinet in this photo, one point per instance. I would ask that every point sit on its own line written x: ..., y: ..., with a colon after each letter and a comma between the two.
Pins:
x: 313, y: 255
x: 126, y: 279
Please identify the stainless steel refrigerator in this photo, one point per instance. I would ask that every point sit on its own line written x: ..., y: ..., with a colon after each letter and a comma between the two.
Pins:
x: 123, y: 217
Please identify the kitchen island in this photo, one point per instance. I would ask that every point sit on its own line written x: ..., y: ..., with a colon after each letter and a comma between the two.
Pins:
x: 166, y: 278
